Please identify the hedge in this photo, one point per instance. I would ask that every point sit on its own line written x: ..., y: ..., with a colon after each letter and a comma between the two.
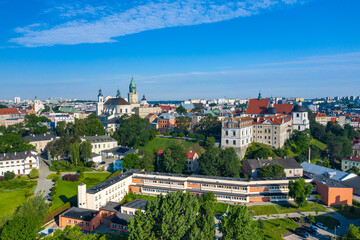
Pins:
x: 53, y: 213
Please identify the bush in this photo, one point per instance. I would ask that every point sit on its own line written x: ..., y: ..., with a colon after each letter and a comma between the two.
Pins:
x: 9, y: 175
x: 71, y: 177
x: 57, y: 211
x: 352, y: 209
x: 191, y: 135
x: 181, y: 134
x: 89, y: 164
x: 166, y: 134
x: 34, y: 173
x: 174, y: 134
x: 261, y: 223
x: 91, y: 181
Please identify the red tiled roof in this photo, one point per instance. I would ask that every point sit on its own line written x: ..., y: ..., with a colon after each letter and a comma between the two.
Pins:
x: 356, y: 159
x: 190, y: 155
x: 256, y: 106
x: 274, y: 119
x: 320, y: 115
x: 6, y: 111
x: 284, y: 108
x: 160, y: 152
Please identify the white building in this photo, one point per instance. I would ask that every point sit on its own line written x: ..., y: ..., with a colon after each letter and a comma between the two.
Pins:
x: 17, y: 100
x: 300, y: 118
x: 237, y: 133
x: 100, y: 143
x: 60, y: 117
x: 18, y: 162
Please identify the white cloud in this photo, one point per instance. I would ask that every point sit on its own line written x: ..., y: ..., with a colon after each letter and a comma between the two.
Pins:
x: 116, y: 21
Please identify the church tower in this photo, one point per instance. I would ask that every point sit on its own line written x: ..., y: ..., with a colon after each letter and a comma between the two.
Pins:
x: 133, y: 95
x: 100, y: 104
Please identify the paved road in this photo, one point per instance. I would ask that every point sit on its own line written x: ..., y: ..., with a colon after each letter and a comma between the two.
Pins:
x: 44, y: 184
x: 322, y: 235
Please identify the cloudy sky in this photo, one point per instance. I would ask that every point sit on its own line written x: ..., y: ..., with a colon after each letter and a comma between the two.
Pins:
x: 179, y: 49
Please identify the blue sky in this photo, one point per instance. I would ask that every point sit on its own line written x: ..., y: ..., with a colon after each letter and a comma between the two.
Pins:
x: 179, y: 49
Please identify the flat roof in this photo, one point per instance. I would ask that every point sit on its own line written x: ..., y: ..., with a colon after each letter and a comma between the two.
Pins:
x: 112, y: 207
x: 121, y: 218
x: 137, y: 204
x: 80, y: 214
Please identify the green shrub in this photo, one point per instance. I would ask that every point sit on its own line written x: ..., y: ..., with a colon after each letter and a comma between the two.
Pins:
x: 9, y: 175
x: 174, y: 134
x: 166, y: 134
x: 181, y: 134
x: 191, y: 135
x: 34, y: 173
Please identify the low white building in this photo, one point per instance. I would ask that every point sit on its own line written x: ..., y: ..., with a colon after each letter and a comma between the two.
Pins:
x: 18, y: 162
x: 100, y: 143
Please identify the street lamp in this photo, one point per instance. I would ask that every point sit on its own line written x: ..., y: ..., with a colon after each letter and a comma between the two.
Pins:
x: 335, y: 229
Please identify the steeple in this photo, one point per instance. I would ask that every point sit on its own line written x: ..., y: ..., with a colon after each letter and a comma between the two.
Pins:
x: 132, y: 86
x: 100, y: 93
x: 118, y: 94
x: 259, y: 97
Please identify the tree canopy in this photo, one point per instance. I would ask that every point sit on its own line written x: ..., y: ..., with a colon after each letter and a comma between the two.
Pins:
x: 172, y: 160
x: 10, y: 142
x: 299, y: 190
x: 272, y: 170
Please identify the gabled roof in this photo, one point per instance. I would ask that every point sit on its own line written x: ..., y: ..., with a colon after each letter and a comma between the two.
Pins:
x: 160, y: 152
x: 256, y: 106
x: 6, y: 111
x: 116, y: 101
x: 284, y: 108
x: 355, y: 159
x: 190, y: 155
x: 279, y: 119
x: 44, y: 137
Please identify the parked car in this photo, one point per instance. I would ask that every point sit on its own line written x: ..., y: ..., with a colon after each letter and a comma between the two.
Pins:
x: 321, y: 225
x: 314, y: 228
x: 301, y: 232
x: 218, y: 217
x: 310, y: 230
x: 217, y: 226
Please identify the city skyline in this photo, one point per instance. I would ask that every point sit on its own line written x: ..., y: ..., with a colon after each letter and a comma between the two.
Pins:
x: 179, y: 51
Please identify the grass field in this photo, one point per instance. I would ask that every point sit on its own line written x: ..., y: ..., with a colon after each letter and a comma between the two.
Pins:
x: 285, y: 208
x: 318, y: 144
x: 275, y: 229
x: 10, y: 201
x: 330, y: 222
x: 349, y: 212
x: 66, y: 191
x: 163, y: 143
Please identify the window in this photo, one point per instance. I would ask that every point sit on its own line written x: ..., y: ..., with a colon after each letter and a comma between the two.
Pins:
x: 120, y: 226
x: 234, y: 133
x: 81, y: 223
x: 226, y: 133
x: 227, y: 141
x: 87, y: 224
x: 114, y: 225
x: 234, y: 142
x: 68, y: 221
x: 75, y: 222
x: 297, y: 115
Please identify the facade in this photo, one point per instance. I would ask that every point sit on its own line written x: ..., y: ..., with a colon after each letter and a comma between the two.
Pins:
x: 40, y: 141
x: 144, y: 111
x: 347, y: 163
x: 300, y: 119
x: 356, y: 149
x: 55, y: 118
x: 292, y: 168
x: 18, y: 162
x: 272, y: 131
x: 87, y: 219
x: 100, y: 143
x: 13, y: 121
x: 237, y: 133
x: 8, y: 113
x: 192, y: 164
x: 166, y: 123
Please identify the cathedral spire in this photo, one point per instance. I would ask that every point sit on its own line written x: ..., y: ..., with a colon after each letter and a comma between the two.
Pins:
x: 259, y: 97
x: 100, y: 93
x: 132, y: 86
x: 118, y: 94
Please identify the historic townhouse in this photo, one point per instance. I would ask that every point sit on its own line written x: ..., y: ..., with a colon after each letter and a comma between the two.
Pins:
x: 18, y: 162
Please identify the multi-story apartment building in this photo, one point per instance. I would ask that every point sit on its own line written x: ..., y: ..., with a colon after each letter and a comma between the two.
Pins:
x: 347, y: 163
x: 8, y: 113
x: 237, y: 133
x: 40, y: 141
x: 18, y: 162
x: 166, y: 123
x: 100, y: 143
x: 272, y: 131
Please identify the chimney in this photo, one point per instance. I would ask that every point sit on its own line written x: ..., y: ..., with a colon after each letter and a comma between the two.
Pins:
x: 309, y: 155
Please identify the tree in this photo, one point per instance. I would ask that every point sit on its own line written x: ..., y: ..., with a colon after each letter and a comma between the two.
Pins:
x: 181, y: 110
x: 34, y: 173
x: 9, y: 175
x: 166, y: 217
x: 85, y: 150
x: 238, y: 224
x: 134, y: 131
x: 353, y: 232
x: 93, y: 125
x: 299, y: 190
x: 35, y: 124
x: 148, y: 160
x: 205, y: 219
x: 231, y: 163
x: 272, y: 170
x: 173, y: 160
x: 182, y: 124
x: 209, y: 126
x: 27, y: 220
x: 10, y: 142
x: 75, y: 153
x: 75, y: 233
x: 317, y: 198
x: 60, y: 128
x: 132, y: 161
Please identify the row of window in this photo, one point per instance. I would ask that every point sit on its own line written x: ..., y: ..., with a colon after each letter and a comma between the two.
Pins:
x: 104, y: 145
x: 234, y: 133
x: 222, y: 186
x: 119, y: 226
x: 242, y: 141
x: 164, y: 182
x: 153, y: 190
x: 75, y: 222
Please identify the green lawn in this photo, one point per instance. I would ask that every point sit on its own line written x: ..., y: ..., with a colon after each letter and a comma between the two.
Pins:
x: 285, y: 208
x: 318, y: 144
x: 66, y: 191
x: 275, y: 229
x: 330, y: 222
x: 163, y: 143
x: 349, y: 212
x: 11, y: 200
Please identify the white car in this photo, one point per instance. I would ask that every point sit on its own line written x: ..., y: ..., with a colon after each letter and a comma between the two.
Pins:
x: 322, y: 226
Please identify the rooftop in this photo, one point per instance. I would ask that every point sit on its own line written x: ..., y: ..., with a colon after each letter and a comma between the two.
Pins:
x: 112, y: 207
x: 121, y: 218
x: 286, y: 163
x: 327, y: 172
x: 116, y: 101
x: 16, y: 155
x: 44, y: 137
x: 80, y: 213
x: 137, y: 204
x: 355, y: 159
x: 7, y: 111
x: 97, y: 139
